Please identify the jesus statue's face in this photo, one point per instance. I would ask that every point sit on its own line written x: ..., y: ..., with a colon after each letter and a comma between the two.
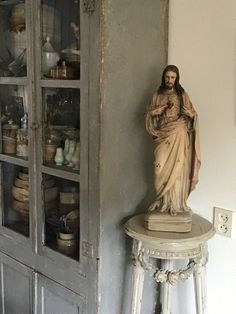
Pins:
x: 170, y: 78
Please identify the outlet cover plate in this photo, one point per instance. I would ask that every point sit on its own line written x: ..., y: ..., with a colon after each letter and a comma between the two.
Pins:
x: 224, y: 222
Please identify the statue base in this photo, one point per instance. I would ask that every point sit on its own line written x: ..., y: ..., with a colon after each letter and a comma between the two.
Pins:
x: 157, y: 221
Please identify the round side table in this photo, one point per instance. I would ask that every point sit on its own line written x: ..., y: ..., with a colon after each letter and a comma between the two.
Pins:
x: 169, y: 246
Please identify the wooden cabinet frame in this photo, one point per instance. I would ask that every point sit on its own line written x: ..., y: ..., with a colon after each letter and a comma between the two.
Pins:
x: 75, y: 275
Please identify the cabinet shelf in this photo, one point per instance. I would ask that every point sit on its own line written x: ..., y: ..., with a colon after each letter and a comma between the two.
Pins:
x: 60, y: 83
x: 13, y: 159
x: 61, y: 172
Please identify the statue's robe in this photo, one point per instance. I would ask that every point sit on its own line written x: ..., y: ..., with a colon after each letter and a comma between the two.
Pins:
x: 177, y: 154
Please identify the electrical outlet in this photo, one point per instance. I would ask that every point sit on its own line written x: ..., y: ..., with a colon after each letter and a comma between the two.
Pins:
x: 224, y: 221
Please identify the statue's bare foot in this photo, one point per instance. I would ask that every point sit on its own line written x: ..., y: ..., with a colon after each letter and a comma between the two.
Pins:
x: 173, y: 211
x: 153, y: 206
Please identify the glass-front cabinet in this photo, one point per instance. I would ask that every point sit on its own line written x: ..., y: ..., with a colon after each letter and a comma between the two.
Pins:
x: 44, y: 135
x: 60, y: 166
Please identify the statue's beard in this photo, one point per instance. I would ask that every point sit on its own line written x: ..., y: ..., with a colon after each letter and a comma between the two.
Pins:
x: 170, y: 86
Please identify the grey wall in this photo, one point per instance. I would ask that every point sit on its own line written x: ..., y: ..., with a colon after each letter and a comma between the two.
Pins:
x: 134, y: 35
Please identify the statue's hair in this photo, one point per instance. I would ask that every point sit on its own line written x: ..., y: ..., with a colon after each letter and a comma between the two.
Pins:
x: 179, y: 89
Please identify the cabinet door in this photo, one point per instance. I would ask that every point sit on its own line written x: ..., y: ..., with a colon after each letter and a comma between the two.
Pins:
x: 53, y: 298
x: 44, y: 137
x: 15, y: 298
x: 16, y: 89
x: 61, y: 81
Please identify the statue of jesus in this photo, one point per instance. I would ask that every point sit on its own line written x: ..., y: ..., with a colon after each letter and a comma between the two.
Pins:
x: 172, y: 122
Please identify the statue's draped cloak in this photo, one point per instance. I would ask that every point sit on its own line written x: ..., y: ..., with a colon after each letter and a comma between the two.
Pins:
x: 177, y: 152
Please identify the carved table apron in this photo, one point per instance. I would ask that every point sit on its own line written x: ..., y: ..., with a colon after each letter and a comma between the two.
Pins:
x: 169, y: 246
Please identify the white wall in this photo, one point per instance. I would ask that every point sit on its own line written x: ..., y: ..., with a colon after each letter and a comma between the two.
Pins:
x: 202, y: 42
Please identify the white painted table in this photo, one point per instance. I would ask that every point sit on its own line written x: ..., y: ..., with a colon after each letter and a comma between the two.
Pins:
x: 169, y: 246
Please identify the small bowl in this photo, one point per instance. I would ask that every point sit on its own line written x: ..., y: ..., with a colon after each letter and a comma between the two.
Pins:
x: 66, y: 236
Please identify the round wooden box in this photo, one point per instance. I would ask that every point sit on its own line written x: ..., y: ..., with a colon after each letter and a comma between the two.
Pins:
x: 20, y: 193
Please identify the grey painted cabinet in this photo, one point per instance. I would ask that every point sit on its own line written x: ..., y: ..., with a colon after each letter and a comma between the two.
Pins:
x: 75, y: 78
x: 44, y: 158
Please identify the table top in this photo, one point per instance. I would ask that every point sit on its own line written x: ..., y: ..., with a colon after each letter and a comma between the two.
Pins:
x: 202, y: 230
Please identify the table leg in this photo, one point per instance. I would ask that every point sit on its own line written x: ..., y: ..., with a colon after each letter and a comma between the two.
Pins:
x: 137, y: 284
x: 165, y: 289
x: 199, y: 276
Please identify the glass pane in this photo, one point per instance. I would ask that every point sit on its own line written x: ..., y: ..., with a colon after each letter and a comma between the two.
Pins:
x: 13, y: 38
x: 61, y: 208
x: 61, y: 108
x: 15, y: 197
x: 14, y: 120
x: 60, y: 39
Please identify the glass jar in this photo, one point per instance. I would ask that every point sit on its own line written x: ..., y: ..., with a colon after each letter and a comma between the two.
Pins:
x: 22, y: 143
x: 9, y: 138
